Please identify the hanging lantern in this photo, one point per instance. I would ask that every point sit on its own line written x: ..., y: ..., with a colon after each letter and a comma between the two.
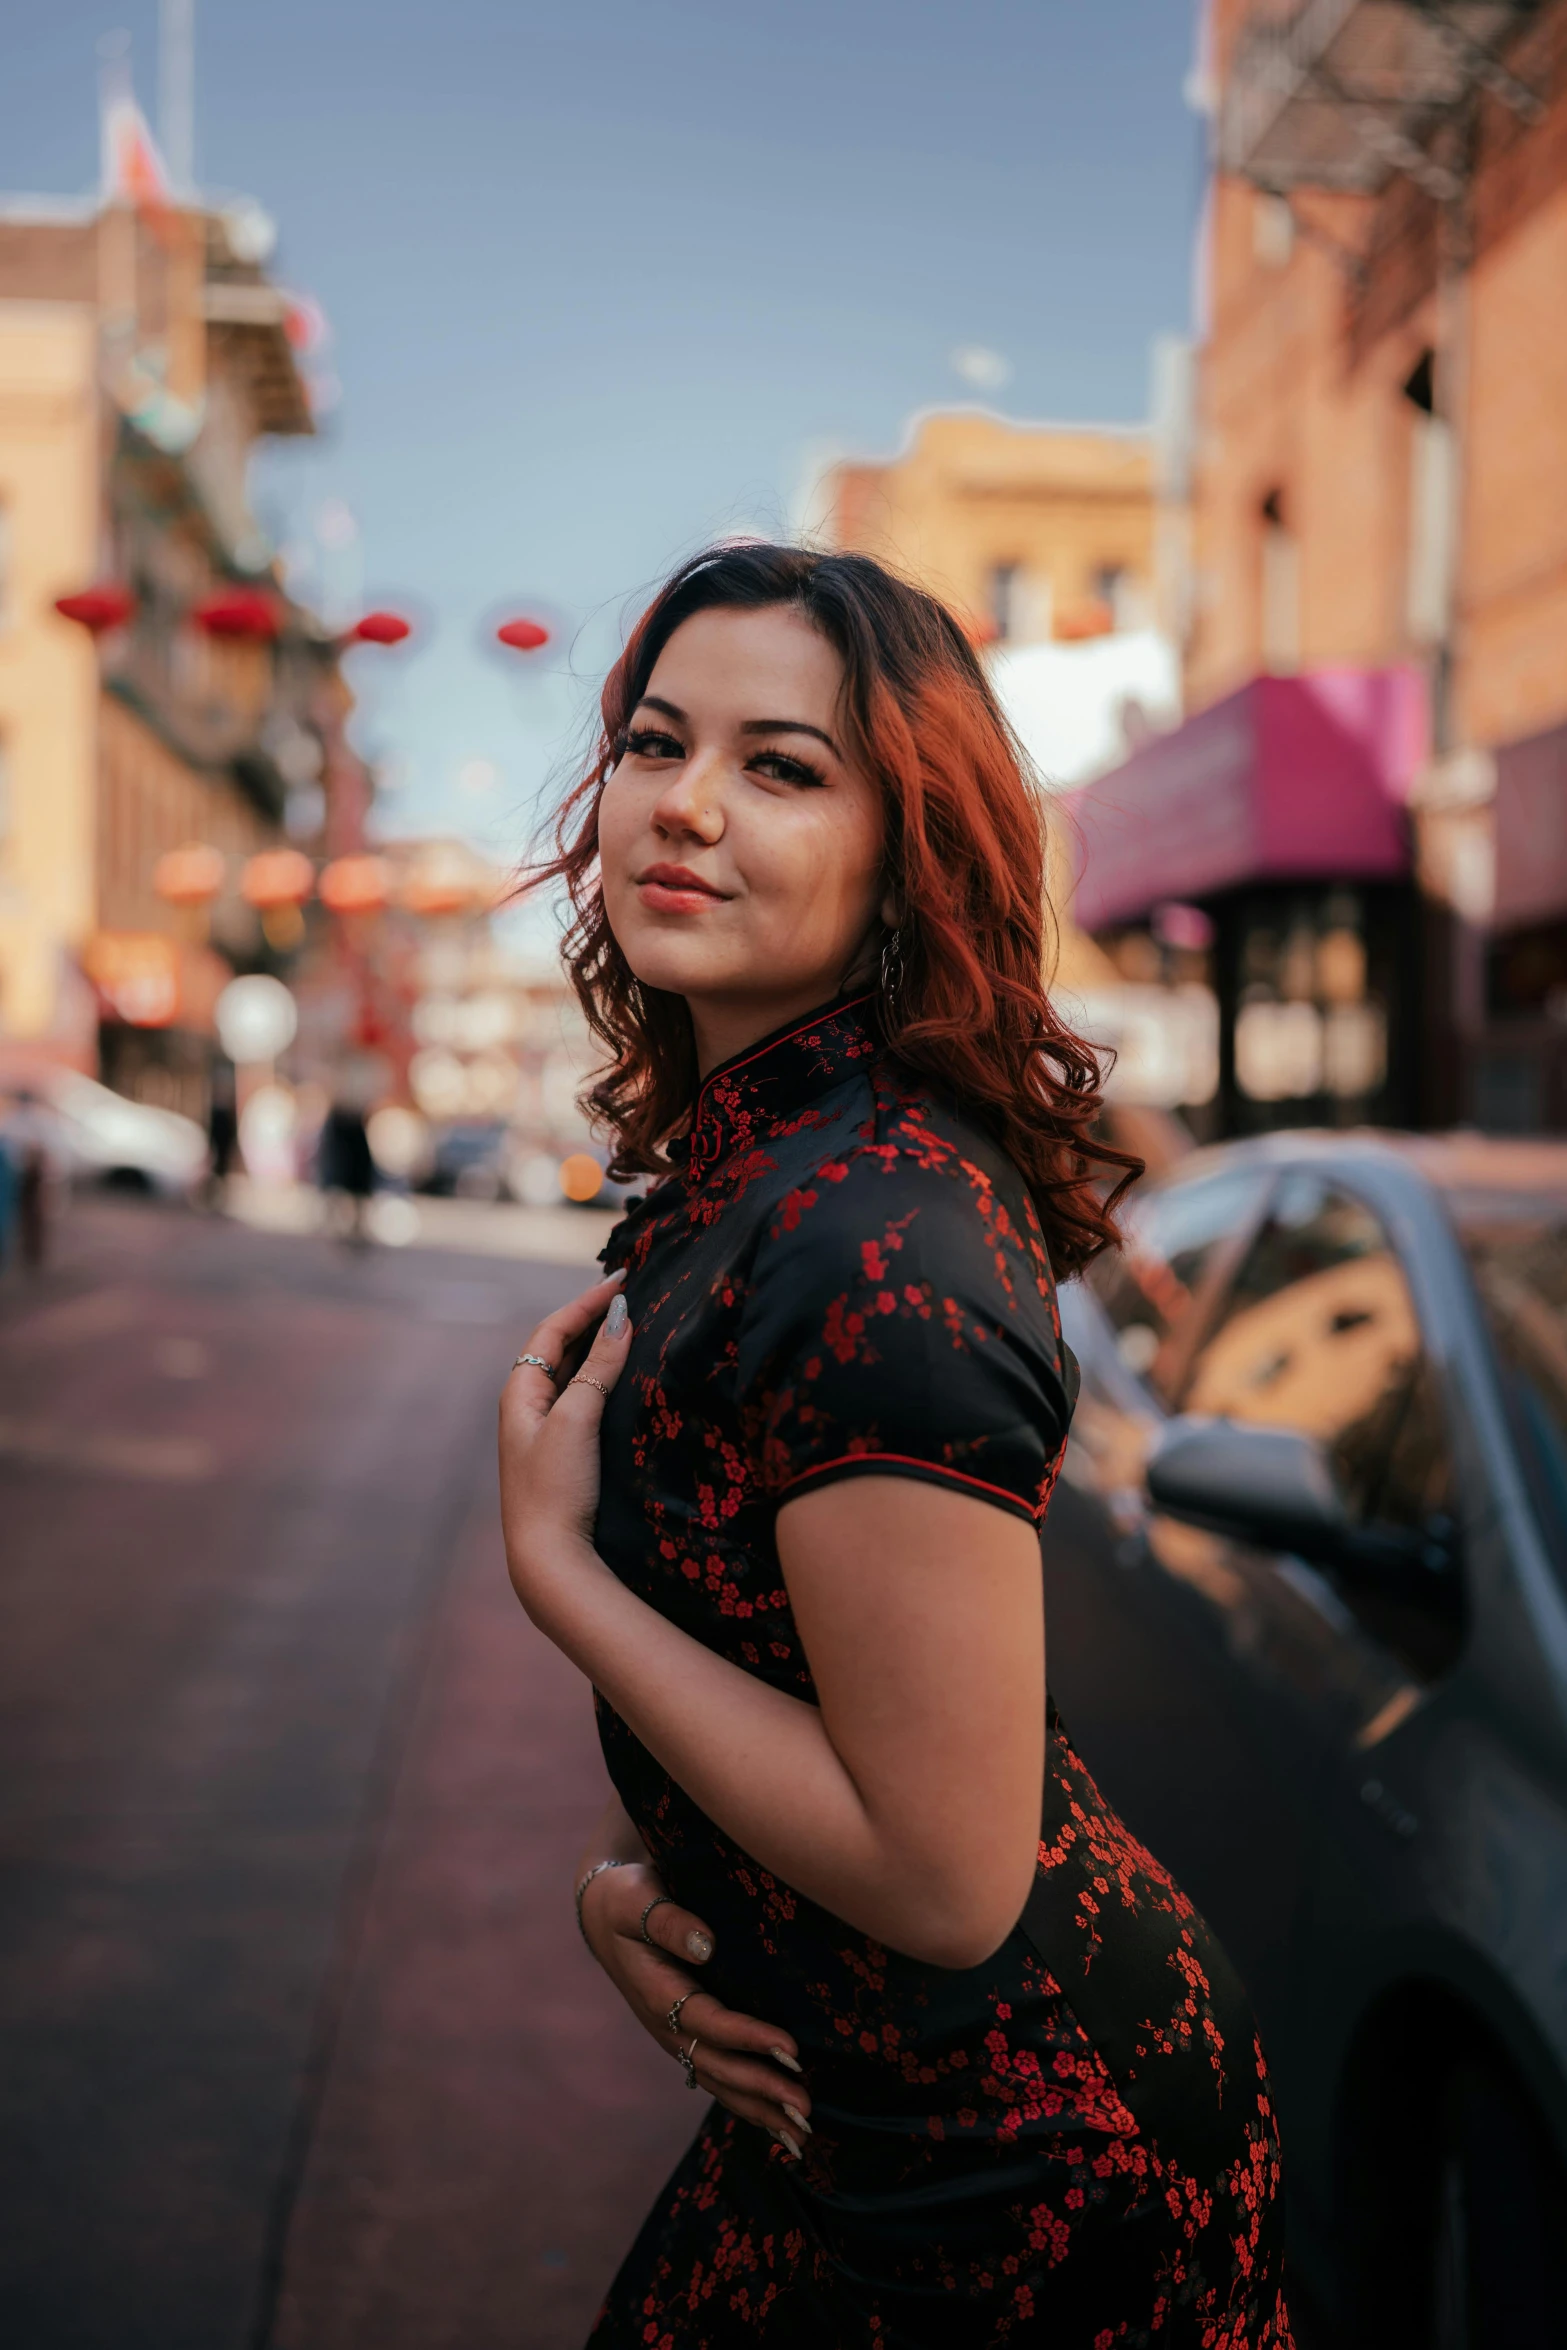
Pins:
x: 381, y: 628
x: 98, y: 609
x: 239, y: 612
x: 523, y: 635
x: 445, y: 878
x: 355, y: 885
x: 278, y: 877
x: 189, y: 876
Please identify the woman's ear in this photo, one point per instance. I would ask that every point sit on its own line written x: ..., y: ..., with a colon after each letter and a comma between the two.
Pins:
x: 891, y: 912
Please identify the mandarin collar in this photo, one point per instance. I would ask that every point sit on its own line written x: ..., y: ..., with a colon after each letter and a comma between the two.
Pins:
x: 754, y: 1092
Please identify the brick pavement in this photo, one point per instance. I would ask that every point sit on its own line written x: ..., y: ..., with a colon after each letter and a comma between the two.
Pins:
x: 298, y: 2049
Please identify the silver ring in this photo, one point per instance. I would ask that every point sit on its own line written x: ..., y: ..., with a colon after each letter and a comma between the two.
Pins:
x: 538, y: 1363
x: 686, y: 2056
x: 586, y: 1379
x: 673, y: 2018
x: 656, y: 1903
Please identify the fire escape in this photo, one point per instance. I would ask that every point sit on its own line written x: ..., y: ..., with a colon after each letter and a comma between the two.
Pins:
x: 1344, y: 96
x: 1341, y: 94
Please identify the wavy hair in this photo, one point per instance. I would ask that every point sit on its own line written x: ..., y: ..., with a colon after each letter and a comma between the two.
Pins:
x: 965, y: 863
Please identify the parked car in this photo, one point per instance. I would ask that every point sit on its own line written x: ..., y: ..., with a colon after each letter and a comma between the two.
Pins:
x: 91, y: 1134
x: 1306, y: 1580
x: 470, y: 1160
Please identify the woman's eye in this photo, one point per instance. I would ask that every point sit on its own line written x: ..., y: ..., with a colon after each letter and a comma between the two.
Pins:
x: 646, y: 743
x: 783, y: 769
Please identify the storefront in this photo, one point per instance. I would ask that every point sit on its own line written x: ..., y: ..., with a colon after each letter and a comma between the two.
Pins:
x: 1281, y: 816
x: 1520, y: 1076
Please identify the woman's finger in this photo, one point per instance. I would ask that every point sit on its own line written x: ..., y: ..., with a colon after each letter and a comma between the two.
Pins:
x: 754, y: 2100
x: 595, y: 1377
x: 676, y: 1930
x: 742, y: 2076
x: 740, y: 2035
x: 558, y: 1331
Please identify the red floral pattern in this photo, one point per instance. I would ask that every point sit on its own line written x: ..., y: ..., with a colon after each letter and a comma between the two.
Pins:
x: 846, y: 1278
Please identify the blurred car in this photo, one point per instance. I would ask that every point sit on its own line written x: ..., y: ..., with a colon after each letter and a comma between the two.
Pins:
x: 89, y: 1133
x: 470, y: 1159
x: 1306, y: 1578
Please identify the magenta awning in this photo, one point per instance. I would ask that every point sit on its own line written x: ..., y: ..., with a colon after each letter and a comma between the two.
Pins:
x: 1292, y: 778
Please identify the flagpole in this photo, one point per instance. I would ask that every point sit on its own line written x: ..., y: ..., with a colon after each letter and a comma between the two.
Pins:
x: 177, y: 91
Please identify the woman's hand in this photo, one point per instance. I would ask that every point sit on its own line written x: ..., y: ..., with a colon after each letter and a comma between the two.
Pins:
x: 750, y: 2067
x: 549, y: 1438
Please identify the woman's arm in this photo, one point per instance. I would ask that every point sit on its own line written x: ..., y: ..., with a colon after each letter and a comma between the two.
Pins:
x: 907, y: 1802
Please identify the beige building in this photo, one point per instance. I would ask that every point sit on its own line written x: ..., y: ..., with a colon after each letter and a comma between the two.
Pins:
x: 142, y: 354
x: 1029, y: 531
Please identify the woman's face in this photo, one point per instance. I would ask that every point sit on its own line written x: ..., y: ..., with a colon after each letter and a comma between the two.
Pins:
x: 740, y: 848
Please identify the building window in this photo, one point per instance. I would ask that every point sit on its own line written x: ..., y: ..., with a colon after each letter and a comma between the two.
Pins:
x: 1431, y: 510
x: 1006, y: 600
x: 1280, y: 631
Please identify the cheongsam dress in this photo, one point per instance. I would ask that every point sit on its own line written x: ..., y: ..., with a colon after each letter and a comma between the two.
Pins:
x: 1073, y: 2143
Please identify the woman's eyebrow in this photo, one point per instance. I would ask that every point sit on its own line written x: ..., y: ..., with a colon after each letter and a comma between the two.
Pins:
x: 669, y: 709
x: 789, y: 726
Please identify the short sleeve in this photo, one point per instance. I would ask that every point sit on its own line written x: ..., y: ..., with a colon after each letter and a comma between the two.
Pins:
x: 902, y: 1323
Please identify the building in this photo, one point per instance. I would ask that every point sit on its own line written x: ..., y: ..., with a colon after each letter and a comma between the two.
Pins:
x: 180, y: 696
x: 1031, y: 532
x: 1368, y: 802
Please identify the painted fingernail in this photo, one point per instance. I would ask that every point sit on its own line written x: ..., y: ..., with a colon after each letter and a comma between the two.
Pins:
x: 782, y: 2056
x: 799, y: 2120
x: 619, y: 1274
x: 793, y: 2144
x: 616, y: 1319
x: 699, y: 1946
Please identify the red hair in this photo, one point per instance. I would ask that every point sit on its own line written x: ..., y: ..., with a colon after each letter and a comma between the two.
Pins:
x: 965, y: 861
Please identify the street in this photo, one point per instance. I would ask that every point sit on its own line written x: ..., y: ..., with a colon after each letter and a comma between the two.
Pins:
x: 300, y: 2047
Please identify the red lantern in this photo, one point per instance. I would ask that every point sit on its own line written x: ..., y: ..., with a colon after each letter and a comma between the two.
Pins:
x: 445, y: 878
x: 98, y: 609
x: 239, y: 612
x: 189, y: 876
x: 523, y: 636
x: 278, y: 877
x: 355, y: 885
x: 381, y: 628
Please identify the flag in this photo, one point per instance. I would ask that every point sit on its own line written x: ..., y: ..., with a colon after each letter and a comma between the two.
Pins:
x: 134, y: 172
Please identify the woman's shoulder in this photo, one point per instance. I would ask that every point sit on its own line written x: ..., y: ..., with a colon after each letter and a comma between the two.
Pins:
x: 915, y: 1175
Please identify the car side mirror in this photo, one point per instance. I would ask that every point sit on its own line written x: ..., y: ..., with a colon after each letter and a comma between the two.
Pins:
x: 1270, y: 1486
x: 1276, y: 1488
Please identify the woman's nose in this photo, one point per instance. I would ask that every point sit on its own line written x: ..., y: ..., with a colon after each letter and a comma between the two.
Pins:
x: 693, y: 801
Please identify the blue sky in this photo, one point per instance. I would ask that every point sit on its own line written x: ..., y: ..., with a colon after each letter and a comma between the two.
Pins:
x: 603, y: 279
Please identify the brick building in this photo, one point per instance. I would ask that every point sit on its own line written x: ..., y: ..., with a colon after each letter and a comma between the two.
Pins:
x: 143, y: 352
x: 1376, y: 655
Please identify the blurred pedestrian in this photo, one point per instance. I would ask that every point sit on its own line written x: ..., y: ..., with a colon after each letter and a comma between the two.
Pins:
x: 346, y: 1168
x: 27, y: 1139
x: 10, y: 1199
x: 222, y: 1132
x: 982, y: 2072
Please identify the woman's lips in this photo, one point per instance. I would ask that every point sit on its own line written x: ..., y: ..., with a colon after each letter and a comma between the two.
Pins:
x: 674, y: 889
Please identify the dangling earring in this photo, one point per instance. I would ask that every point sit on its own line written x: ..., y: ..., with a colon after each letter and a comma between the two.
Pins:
x: 891, y: 967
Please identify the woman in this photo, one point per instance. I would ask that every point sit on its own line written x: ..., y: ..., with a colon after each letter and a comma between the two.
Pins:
x: 982, y: 2075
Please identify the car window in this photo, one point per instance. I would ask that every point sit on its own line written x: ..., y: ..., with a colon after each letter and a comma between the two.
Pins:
x: 1516, y: 1244
x: 1318, y: 1332
x: 1171, y: 1242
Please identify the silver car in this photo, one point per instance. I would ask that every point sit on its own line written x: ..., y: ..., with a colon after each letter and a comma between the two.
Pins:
x: 1307, y: 1593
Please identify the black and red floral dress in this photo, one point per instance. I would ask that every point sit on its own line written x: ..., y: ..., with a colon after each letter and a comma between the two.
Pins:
x: 1072, y: 2144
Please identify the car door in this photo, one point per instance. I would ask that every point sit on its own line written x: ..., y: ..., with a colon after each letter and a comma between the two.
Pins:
x: 1317, y: 1330
x: 1143, y: 1615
